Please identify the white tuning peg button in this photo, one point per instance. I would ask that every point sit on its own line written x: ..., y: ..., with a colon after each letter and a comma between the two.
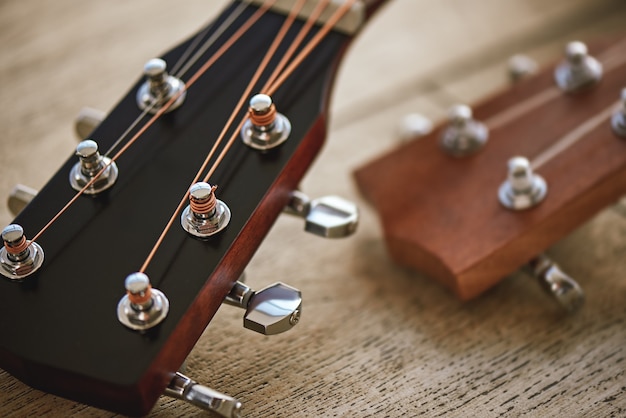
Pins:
x: 328, y: 216
x: 188, y: 390
x: 269, y: 311
x: 87, y: 121
x: 19, y: 197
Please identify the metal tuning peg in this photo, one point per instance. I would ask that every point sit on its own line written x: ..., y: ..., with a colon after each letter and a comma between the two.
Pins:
x: 142, y: 307
x: 265, y: 128
x: 521, y: 66
x: 19, y: 197
x: 558, y: 284
x: 413, y: 126
x: 160, y: 88
x: 87, y: 121
x: 19, y: 257
x: 328, y: 216
x: 522, y: 189
x: 188, y: 390
x: 269, y: 311
x: 618, y: 121
x: 464, y: 135
x: 578, y: 70
x: 92, y: 169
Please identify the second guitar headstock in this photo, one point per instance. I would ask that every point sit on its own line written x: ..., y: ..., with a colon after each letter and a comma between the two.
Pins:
x: 445, y: 203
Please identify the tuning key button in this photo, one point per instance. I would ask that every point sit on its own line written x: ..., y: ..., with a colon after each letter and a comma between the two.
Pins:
x: 523, y: 189
x: 142, y: 307
x: 265, y: 128
x: 272, y: 310
x: 562, y: 287
x: 92, y: 172
x: 521, y: 66
x: 578, y: 70
x: 87, y: 121
x: 463, y: 136
x: 618, y: 121
x: 206, y: 215
x: 18, y: 257
x: 413, y: 126
x: 19, y: 197
x: 186, y: 389
x: 160, y: 88
x: 328, y: 216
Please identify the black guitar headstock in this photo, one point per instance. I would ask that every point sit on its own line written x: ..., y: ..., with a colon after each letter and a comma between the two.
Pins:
x: 102, y: 221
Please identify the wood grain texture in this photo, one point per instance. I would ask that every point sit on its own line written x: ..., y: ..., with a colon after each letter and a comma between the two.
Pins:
x: 374, y: 339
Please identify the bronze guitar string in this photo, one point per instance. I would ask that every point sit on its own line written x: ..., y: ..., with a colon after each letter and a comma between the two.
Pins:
x: 256, y: 16
x: 259, y: 71
x: 297, y: 61
x: 207, y: 44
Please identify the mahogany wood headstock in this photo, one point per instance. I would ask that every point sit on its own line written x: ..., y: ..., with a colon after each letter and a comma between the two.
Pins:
x: 441, y: 214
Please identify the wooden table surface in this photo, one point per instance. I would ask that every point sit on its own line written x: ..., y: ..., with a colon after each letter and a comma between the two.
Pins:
x: 374, y: 339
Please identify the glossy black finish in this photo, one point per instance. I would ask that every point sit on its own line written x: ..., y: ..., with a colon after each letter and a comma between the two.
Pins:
x: 59, y: 330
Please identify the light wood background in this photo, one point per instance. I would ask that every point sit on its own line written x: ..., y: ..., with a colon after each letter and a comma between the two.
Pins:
x: 375, y: 339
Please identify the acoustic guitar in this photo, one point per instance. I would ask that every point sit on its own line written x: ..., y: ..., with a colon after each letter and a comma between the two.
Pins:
x: 490, y: 190
x: 114, y: 269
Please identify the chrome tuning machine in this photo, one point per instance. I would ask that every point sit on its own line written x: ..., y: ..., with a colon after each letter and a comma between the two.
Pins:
x: 555, y: 282
x: 188, y: 390
x: 327, y: 216
x: 269, y: 311
x: 579, y: 69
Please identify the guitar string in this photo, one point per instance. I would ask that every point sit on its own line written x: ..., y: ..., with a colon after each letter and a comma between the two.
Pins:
x: 187, y: 64
x: 315, y: 14
x: 257, y: 74
x: 225, y: 25
x: 225, y: 47
x: 332, y: 21
x: 288, y: 54
x: 571, y: 138
x: 611, y: 59
x: 341, y: 11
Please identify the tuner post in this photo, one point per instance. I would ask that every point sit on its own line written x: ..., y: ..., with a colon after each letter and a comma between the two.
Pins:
x: 19, y: 257
x: 618, y: 121
x: 91, y: 165
x: 579, y: 70
x: 464, y: 135
x: 160, y: 88
x: 142, y: 307
x: 206, y: 215
x: 523, y: 189
x: 265, y: 128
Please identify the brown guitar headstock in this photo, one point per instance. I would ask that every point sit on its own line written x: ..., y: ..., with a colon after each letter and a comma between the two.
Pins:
x: 441, y: 213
